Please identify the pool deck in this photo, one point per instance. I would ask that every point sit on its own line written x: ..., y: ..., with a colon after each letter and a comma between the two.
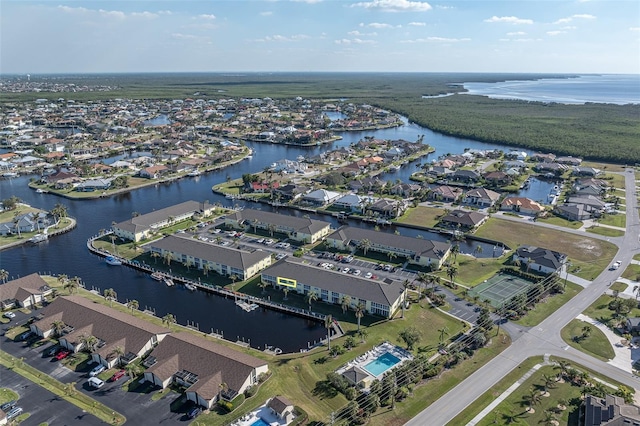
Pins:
x: 262, y: 412
x: 364, y: 359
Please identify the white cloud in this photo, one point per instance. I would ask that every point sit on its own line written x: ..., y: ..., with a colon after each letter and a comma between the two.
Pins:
x: 395, y: 5
x: 357, y: 33
x: 436, y: 40
x: 145, y: 15
x: 354, y: 41
x: 181, y: 36
x: 572, y: 17
x: 284, y: 39
x: 269, y: 13
x: 509, y: 20
x: 112, y: 13
x: 165, y: 12
x: 207, y: 16
x: 307, y: 1
x: 68, y: 9
x: 634, y: 29
x: 555, y: 33
x: 569, y: 27
x: 516, y: 33
x: 417, y: 24
x: 378, y: 25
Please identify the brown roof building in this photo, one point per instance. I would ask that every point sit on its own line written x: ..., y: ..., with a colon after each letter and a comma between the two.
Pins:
x: 23, y: 292
x: 207, y: 369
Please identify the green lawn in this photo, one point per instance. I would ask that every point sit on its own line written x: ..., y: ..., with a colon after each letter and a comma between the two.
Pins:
x: 600, y: 310
x: 473, y: 271
x: 422, y: 216
x: 618, y: 286
x: 559, y: 221
x: 607, y: 232
x: 632, y: 272
x: 596, y: 345
x: 545, y: 308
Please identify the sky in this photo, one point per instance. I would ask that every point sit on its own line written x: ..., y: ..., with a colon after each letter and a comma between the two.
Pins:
x: 532, y: 36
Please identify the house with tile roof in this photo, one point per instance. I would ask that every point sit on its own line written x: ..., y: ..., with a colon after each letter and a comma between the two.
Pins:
x: 419, y: 251
x: 140, y: 227
x: 23, y: 292
x: 521, y: 205
x: 380, y: 297
x: 112, y: 329
x: 226, y: 261
x: 463, y: 220
x: 296, y: 228
x: 481, y: 197
x: 207, y: 370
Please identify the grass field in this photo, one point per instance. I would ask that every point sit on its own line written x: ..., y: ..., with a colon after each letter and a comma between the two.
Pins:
x: 545, y: 308
x: 619, y: 220
x: 607, y: 232
x: 559, y: 221
x: 596, y: 345
x: 600, y: 311
x: 591, y: 255
x: 422, y: 216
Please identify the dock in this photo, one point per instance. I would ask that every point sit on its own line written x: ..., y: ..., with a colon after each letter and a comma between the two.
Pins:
x: 247, y: 306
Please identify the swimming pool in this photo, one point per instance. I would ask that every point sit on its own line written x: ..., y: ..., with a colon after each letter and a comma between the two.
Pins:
x: 382, y: 364
x: 259, y: 422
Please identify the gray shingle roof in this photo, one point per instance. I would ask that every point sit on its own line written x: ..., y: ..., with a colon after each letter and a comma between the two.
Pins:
x: 145, y: 221
x: 22, y: 288
x: 240, y: 259
x: 299, y: 224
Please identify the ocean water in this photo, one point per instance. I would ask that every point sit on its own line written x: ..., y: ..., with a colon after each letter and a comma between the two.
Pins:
x: 618, y: 89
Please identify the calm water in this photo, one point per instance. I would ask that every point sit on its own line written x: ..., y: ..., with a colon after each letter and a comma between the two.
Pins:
x: 612, y: 89
x: 67, y: 254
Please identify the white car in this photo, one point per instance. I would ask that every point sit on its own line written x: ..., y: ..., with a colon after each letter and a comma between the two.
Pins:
x: 368, y: 275
x: 345, y: 270
x: 94, y: 382
x: 616, y: 265
x: 356, y: 272
x: 97, y: 370
x: 9, y: 315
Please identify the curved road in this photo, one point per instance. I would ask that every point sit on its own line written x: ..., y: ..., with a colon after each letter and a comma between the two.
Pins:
x: 545, y: 338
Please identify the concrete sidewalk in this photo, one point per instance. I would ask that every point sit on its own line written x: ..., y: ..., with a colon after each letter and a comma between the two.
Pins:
x: 624, y: 355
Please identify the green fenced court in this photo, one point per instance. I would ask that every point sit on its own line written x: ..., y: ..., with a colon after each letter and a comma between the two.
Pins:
x: 500, y: 288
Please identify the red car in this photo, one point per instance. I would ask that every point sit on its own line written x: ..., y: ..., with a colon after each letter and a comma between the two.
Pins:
x: 117, y: 376
x: 63, y: 354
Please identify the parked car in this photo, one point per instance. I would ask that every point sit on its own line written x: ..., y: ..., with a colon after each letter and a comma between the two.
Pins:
x: 94, y: 382
x: 193, y: 412
x: 63, y: 354
x: 9, y: 315
x: 52, y: 350
x: 281, y: 256
x: 368, y: 275
x: 14, y: 412
x: 117, y: 376
x: 97, y: 370
x: 345, y: 270
x: 7, y: 406
x: 25, y: 335
x: 357, y: 272
x: 616, y: 265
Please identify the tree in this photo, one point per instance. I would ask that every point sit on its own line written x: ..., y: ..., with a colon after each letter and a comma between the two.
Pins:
x: 312, y: 296
x: 345, y: 302
x: 10, y: 203
x: 359, y: 310
x: 168, y: 257
x: 88, y: 342
x: 405, y: 286
x: 362, y: 334
x: 455, y: 249
x: 532, y: 398
x: 410, y: 336
x: 444, y: 332
x: 155, y: 255
x: 133, y: 369
x: 263, y: 285
x: 111, y: 295
x: 133, y: 305
x: 72, y: 285
x: 59, y: 211
x: 586, y: 331
x: 4, y: 274
x: 365, y: 245
x: 57, y: 327
x: 169, y: 320
x: 328, y: 322
x: 285, y: 290
x: 452, y: 271
x: 117, y: 352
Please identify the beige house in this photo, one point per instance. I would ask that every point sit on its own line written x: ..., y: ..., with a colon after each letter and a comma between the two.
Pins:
x: 282, y: 408
x: 380, y: 297
x: 419, y: 251
x: 113, y: 330
x: 226, y: 261
x: 296, y: 228
x: 143, y: 226
x: 23, y: 292
x: 207, y: 370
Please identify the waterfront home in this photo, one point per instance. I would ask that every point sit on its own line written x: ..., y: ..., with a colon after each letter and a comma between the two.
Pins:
x: 154, y: 172
x: 497, y: 178
x: 465, y: 176
x: 404, y: 189
x: 387, y: 208
x: 572, y: 161
x: 592, y: 202
x: 90, y: 185
x: 378, y: 297
x: 610, y: 410
x: 446, y: 193
x: 350, y: 202
x: 481, y: 197
x: 143, y: 226
x: 585, y: 171
x: 290, y: 192
x: 366, y: 184
x: 282, y: 408
x: 438, y: 171
x: 521, y: 205
x: 27, y: 222
x: 420, y: 251
x: 575, y: 212
x: 539, y: 259
x: 463, y: 220
x: 207, y: 370
x: 545, y: 158
x: 23, y: 292
x: 225, y: 261
x: 79, y: 318
x: 319, y: 198
x: 301, y: 229
x: 547, y: 167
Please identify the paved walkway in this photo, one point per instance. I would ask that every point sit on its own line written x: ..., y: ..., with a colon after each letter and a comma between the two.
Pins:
x: 624, y: 356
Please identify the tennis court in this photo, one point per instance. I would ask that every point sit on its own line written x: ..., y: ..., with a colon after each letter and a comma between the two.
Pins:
x: 500, y: 288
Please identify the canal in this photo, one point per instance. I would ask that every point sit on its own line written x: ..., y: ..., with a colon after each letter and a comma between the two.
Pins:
x: 67, y: 254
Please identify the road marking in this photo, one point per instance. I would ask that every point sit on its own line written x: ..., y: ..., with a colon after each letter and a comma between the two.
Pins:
x: 566, y: 347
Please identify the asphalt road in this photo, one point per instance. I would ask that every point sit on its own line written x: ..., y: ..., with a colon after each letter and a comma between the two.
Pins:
x: 545, y: 338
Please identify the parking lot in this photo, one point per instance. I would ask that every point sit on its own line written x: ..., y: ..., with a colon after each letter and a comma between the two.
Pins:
x: 137, y: 407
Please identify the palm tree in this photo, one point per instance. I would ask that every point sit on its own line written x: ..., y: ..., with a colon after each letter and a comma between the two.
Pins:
x: 345, y: 302
x: 285, y: 290
x: 205, y: 269
x: 455, y: 249
x: 405, y: 286
x: 133, y: 369
x: 117, y: 352
x: 57, y: 327
x: 168, y: 257
x: 63, y: 278
x: 312, y: 296
x: 362, y: 334
x: 391, y: 255
x: 4, y: 274
x: 111, y: 295
x: 188, y: 264
x: 444, y: 332
x: 532, y: 398
x: 155, y: 255
x: 563, y: 366
x: 169, y: 320
x: 360, y: 310
x: 223, y: 387
x: 72, y: 284
x: 328, y: 322
x: 133, y: 305
x: 88, y: 342
x: 263, y: 285
x: 478, y: 250
x: 365, y: 245
x: 550, y: 418
x: 452, y: 271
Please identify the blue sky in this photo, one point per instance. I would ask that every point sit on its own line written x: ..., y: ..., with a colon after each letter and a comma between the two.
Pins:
x: 577, y: 36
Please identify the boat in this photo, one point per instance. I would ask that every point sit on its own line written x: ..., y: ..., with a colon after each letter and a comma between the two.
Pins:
x: 194, y: 173
x: 245, y: 305
x: 40, y: 191
x: 9, y: 175
x: 38, y: 238
x: 112, y: 260
x: 158, y: 276
x: 394, y: 168
x: 168, y: 281
x: 190, y: 287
